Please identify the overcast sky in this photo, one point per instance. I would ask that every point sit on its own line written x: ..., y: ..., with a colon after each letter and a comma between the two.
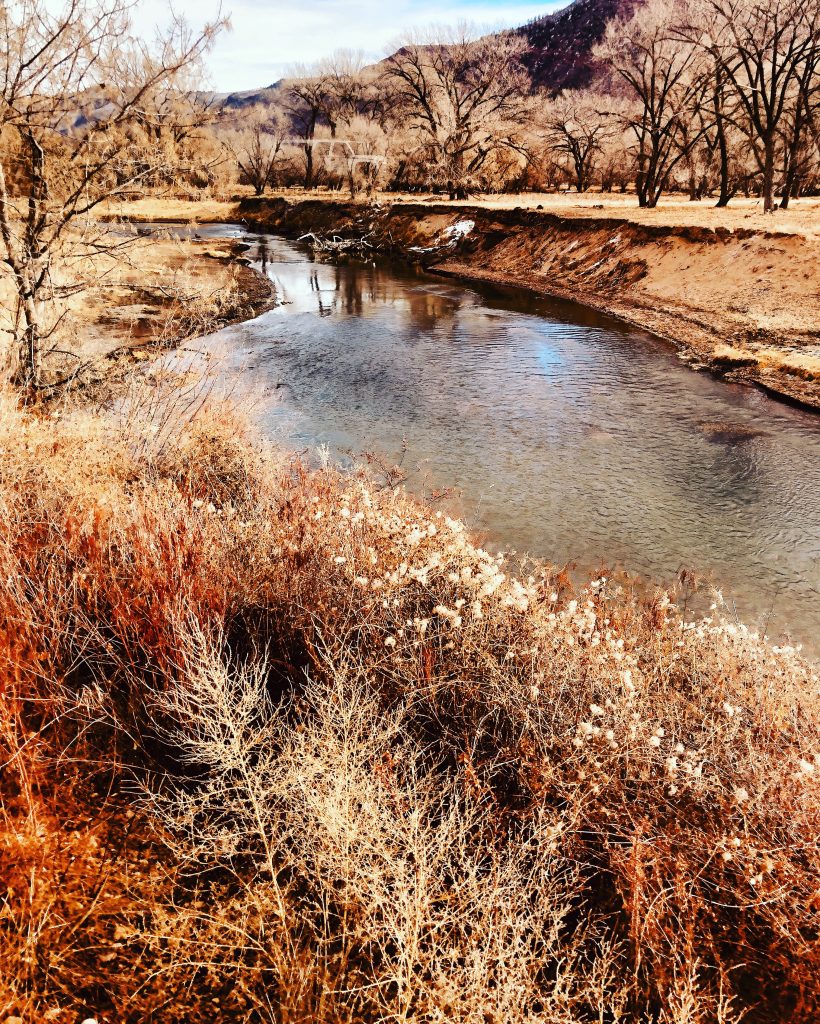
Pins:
x: 271, y: 35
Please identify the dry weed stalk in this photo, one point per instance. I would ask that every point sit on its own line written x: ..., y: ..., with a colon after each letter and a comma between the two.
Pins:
x: 388, y: 777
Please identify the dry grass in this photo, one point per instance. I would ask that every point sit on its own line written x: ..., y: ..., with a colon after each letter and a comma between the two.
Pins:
x: 159, y: 209
x: 803, y: 364
x: 280, y: 745
x: 800, y: 364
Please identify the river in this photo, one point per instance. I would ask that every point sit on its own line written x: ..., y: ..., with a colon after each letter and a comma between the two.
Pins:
x: 565, y: 434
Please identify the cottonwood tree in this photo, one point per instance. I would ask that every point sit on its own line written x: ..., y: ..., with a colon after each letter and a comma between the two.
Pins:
x: 309, y: 100
x: 78, y: 94
x: 257, y: 147
x: 664, y: 73
x: 346, y: 93
x: 365, y: 151
x: 722, y: 137
x: 576, y: 127
x: 462, y: 97
x: 178, y: 120
x: 769, y: 52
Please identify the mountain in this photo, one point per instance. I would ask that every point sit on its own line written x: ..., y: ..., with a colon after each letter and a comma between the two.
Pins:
x: 559, y: 50
x: 560, y: 44
x: 268, y: 95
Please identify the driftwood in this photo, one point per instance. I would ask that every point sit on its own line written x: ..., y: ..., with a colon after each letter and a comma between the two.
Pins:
x: 336, y: 246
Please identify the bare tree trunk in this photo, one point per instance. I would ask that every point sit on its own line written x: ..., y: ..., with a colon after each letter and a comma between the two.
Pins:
x: 27, y: 340
x: 768, y: 177
x: 29, y: 368
x: 789, y: 182
x: 723, y: 149
x: 693, y: 185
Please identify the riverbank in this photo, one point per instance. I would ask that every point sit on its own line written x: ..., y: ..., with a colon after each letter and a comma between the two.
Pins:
x: 280, y: 743
x: 740, y: 301
x: 152, y: 294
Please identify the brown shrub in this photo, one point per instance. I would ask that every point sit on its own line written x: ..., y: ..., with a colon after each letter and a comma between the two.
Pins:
x: 389, y: 776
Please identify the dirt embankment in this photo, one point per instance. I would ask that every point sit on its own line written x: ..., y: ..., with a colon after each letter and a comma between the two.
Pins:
x: 743, y: 303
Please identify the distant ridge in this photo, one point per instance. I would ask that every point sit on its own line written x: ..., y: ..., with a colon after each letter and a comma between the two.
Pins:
x: 561, y: 44
x: 559, y: 54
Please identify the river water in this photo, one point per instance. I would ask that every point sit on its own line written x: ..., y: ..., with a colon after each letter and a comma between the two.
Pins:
x: 566, y: 434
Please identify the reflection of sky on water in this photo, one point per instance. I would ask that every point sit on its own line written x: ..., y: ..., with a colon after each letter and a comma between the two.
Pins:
x: 569, y: 436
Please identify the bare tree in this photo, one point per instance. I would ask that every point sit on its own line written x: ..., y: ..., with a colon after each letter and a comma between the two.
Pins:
x: 768, y: 51
x: 345, y: 94
x: 724, y: 116
x: 77, y: 91
x: 309, y: 98
x: 257, y: 147
x: 463, y: 97
x: 663, y: 71
x: 576, y: 125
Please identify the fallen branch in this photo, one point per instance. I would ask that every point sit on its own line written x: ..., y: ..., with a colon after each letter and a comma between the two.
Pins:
x: 335, y: 245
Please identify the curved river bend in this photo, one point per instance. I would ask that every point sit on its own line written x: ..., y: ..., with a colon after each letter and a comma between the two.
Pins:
x: 567, y: 434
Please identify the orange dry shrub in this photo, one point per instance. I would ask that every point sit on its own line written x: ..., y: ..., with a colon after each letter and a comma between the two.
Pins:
x: 390, y: 776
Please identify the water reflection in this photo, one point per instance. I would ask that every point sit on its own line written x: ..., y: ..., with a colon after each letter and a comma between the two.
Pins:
x: 569, y: 436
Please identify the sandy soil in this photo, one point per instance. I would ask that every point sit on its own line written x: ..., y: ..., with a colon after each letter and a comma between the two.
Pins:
x: 744, y: 305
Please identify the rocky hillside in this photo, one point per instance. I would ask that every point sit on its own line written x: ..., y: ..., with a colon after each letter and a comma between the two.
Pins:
x: 561, y: 44
x: 560, y: 49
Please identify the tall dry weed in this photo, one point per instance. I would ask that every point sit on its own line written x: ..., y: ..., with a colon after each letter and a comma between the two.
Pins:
x: 377, y: 773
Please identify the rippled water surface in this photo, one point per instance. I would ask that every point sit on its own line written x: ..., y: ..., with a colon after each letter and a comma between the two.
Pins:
x: 567, y: 434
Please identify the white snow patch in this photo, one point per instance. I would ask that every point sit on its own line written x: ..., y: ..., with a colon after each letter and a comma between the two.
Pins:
x: 459, y: 230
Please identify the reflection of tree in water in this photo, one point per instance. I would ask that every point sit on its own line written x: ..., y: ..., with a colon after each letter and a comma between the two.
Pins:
x: 263, y: 252
x: 360, y: 285
x: 430, y: 309
x: 323, y: 308
x: 352, y: 283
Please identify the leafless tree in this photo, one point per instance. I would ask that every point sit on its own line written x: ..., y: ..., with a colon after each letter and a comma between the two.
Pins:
x: 768, y: 51
x: 664, y: 73
x: 78, y: 97
x: 257, y: 147
x: 463, y: 97
x: 310, y: 98
x: 346, y: 93
x: 576, y: 125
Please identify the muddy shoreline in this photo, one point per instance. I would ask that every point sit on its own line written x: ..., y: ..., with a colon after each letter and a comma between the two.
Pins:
x: 705, y: 291
x: 128, y: 344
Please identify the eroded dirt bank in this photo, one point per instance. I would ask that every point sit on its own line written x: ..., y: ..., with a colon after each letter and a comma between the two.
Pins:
x: 743, y: 303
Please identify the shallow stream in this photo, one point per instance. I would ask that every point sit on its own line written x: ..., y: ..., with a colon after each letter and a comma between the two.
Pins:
x: 566, y: 434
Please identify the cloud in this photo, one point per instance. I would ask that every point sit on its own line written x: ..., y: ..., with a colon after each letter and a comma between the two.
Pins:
x: 269, y: 36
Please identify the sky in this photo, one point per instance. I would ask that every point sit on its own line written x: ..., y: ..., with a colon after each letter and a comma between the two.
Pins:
x: 270, y: 36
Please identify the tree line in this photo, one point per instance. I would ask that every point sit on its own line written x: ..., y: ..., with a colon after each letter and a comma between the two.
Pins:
x: 714, y: 96
x: 710, y: 96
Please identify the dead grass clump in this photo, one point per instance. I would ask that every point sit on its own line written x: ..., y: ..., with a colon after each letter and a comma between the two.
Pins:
x: 388, y: 776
